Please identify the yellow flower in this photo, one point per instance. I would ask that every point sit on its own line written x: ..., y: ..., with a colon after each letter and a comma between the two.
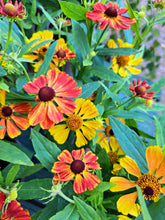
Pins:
x: 82, y: 122
x: 107, y: 140
x: 124, y: 64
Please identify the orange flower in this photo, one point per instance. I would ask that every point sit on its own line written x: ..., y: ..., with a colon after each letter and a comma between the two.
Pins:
x: 12, y: 210
x: 54, y: 92
x: 10, y: 10
x: 110, y: 15
x: 149, y: 183
x: 77, y: 165
x: 140, y: 88
x: 9, y: 120
x: 62, y: 53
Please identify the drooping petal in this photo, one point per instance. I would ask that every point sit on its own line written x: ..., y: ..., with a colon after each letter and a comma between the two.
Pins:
x: 79, y: 184
x: 46, y: 123
x: 121, y: 184
x: 133, y: 70
x: 60, y: 133
x: 89, y: 157
x: 21, y: 107
x: 126, y: 203
x: 93, y: 166
x: 99, y: 6
x: 65, y: 157
x: 2, y: 96
x: 89, y: 133
x: 64, y: 176
x: 80, y: 139
x: 37, y: 114
x: 88, y: 109
x: 59, y: 167
x: 67, y: 106
x: 163, y: 190
x: 154, y: 157
x: 21, y: 122
x: 160, y: 172
x: 12, y: 130
x: 54, y: 113
x: 2, y: 130
x: 91, y: 180
x: 78, y: 154
x: 130, y: 165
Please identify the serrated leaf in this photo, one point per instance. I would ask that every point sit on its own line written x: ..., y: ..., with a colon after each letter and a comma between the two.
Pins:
x: 130, y: 142
x: 46, y: 151
x: 73, y: 11
x: 88, y: 89
x: 12, y: 154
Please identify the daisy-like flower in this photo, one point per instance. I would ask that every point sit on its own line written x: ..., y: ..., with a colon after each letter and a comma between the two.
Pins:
x: 10, y: 119
x: 107, y: 140
x: 123, y: 63
x: 82, y: 122
x: 54, y: 92
x: 39, y: 54
x: 12, y: 10
x: 110, y: 15
x: 77, y: 165
x: 140, y: 88
x: 12, y: 210
x: 149, y: 183
x: 62, y: 53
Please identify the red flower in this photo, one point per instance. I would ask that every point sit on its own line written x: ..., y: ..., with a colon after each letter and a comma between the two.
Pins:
x: 110, y: 15
x: 10, y: 10
x: 54, y: 92
x: 77, y: 165
x: 140, y: 88
x: 9, y: 120
x: 12, y: 210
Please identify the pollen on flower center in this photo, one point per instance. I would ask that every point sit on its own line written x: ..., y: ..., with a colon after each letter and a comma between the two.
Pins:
x: 122, y: 60
x: 111, y: 12
x: 149, y: 185
x: 77, y: 166
x: 46, y: 94
x: 9, y: 9
x: 6, y: 111
x: 140, y: 90
x: 108, y: 131
x: 61, y: 53
x: 74, y: 122
x: 113, y: 157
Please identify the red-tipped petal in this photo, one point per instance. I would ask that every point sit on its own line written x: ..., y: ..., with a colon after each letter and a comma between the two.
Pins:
x: 65, y: 157
x: 21, y: 122
x: 37, y: 114
x: 91, y: 180
x: 89, y: 157
x: 78, y: 154
x: 12, y: 130
x: 59, y: 167
x: 67, y: 106
x: 54, y: 114
x: 79, y: 185
x: 93, y: 166
x: 2, y: 130
x: 21, y: 107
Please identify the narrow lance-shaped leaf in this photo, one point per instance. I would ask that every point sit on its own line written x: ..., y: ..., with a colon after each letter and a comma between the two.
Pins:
x: 11, y: 174
x: 159, y: 133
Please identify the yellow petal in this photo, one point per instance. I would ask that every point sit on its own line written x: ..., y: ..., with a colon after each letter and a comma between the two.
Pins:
x: 122, y: 72
x: 130, y: 165
x: 121, y: 184
x: 111, y: 43
x: 60, y: 133
x: 133, y: 70
x: 134, y: 62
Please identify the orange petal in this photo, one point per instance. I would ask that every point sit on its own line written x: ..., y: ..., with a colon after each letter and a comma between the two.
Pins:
x: 46, y: 123
x: 93, y: 166
x: 160, y: 172
x: 121, y: 184
x: 12, y: 130
x: 89, y: 157
x: 126, y: 203
x: 78, y: 154
x: 37, y: 114
x: 65, y: 157
x: 67, y: 106
x: 79, y: 185
x: 54, y: 114
x: 2, y: 199
x: 59, y: 167
x: 21, y: 107
x: 154, y: 157
x: 2, y: 130
x: 91, y: 180
x: 130, y: 165
x: 116, y: 168
x: 64, y: 176
x: 21, y: 122
x: 163, y: 190
x: 2, y: 96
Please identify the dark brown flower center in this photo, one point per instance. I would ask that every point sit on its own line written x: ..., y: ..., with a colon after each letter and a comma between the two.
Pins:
x: 46, y: 94
x: 6, y: 111
x: 9, y: 9
x: 61, y: 53
x: 111, y: 12
x: 108, y: 131
x: 42, y: 52
x: 149, y: 185
x: 122, y: 60
x: 77, y: 166
x: 140, y: 90
x: 74, y: 122
x: 113, y: 157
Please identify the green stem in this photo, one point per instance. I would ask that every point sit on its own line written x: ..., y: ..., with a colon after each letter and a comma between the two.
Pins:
x: 100, y: 38
x: 4, y: 190
x: 65, y: 197
x: 23, y: 32
x: 8, y: 40
x: 128, y: 100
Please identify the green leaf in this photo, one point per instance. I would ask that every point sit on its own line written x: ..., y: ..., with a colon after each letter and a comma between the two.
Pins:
x: 46, y: 151
x: 73, y: 11
x: 103, y: 73
x: 12, y: 174
x: 80, y: 39
x: 29, y: 171
x: 20, y: 81
x: 86, y: 211
x: 12, y: 154
x: 159, y: 133
x: 130, y: 142
x: 159, y: 21
x: 144, y: 210
x: 68, y: 213
x: 47, y: 59
x: 2, y: 72
x: 1, y: 179
x: 42, y: 43
x: 32, y: 189
x: 26, y: 47
x: 88, y: 89
x: 116, y: 51
x: 4, y: 86
x: 157, y: 86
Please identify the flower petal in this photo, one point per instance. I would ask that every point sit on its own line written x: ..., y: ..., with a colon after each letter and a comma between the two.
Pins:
x: 64, y: 176
x: 60, y: 133
x: 67, y: 106
x: 21, y: 122
x: 91, y: 180
x: 89, y: 157
x: 37, y: 114
x: 2, y: 130
x: 80, y: 139
x: 130, y: 165
x: 59, y: 167
x: 2, y: 199
x: 93, y: 166
x: 79, y: 184
x: 12, y: 130
x: 54, y: 114
x: 21, y: 107
x: 65, y: 157
x: 2, y: 96
x: 121, y: 184
x: 78, y: 154
x: 160, y: 172
x: 133, y: 70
